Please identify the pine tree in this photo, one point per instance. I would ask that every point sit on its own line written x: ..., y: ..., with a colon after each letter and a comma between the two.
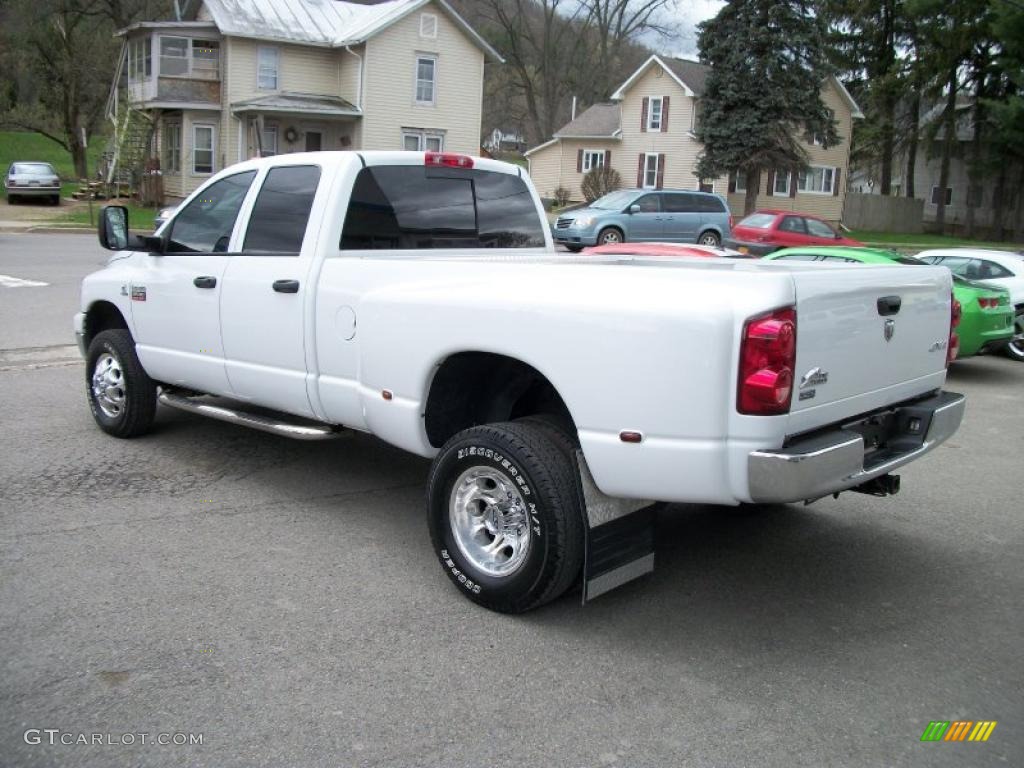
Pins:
x: 763, y: 93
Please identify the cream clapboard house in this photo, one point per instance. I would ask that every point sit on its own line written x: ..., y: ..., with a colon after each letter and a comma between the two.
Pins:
x: 244, y: 78
x: 646, y: 132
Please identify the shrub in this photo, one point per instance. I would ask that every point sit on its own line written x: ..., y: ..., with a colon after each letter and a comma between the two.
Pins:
x: 562, y: 196
x: 599, y: 182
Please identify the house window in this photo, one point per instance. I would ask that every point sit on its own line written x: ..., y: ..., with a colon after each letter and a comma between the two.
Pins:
x: 740, y: 181
x: 205, y: 59
x: 592, y: 158
x: 414, y: 140
x: 935, y: 196
x: 428, y: 25
x: 781, y: 186
x: 817, y: 180
x: 426, y: 79
x: 696, y: 116
x: 185, y: 57
x: 174, y: 56
x: 140, y: 59
x: 202, y: 149
x: 650, y: 171
x: 654, y: 111
x: 269, y: 141
x: 172, y: 148
x: 267, y: 60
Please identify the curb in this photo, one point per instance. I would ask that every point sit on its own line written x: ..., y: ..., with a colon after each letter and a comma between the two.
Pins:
x: 45, y: 229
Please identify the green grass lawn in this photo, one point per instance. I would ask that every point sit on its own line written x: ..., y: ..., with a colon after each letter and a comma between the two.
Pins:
x: 897, y: 239
x: 19, y: 145
x: 140, y: 219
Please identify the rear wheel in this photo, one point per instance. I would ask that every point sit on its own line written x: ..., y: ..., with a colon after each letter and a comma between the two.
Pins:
x: 709, y: 238
x: 504, y: 517
x: 11, y: 199
x: 55, y: 199
x: 121, y: 395
x: 610, y: 236
x: 1015, y: 349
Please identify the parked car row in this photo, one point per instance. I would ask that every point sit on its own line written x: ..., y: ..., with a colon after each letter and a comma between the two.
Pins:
x: 987, y: 284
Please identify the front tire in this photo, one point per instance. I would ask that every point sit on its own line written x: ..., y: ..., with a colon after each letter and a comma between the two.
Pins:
x: 504, y: 516
x: 610, y: 236
x: 121, y: 395
x: 709, y: 238
x: 1015, y: 349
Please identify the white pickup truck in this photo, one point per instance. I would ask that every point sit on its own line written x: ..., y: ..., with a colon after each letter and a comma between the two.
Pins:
x: 418, y: 297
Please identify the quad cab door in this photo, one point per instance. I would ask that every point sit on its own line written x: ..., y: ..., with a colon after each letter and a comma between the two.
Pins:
x: 176, y: 294
x: 267, y: 287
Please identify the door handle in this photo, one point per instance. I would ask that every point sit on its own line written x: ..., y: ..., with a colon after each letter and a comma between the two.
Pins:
x: 286, y: 286
x: 205, y: 281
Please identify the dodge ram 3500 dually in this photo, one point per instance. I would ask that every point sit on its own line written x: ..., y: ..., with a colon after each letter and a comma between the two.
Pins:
x: 418, y: 297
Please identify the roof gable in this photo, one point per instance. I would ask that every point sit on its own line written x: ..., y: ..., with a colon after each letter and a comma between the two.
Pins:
x: 656, y: 61
x: 325, y: 23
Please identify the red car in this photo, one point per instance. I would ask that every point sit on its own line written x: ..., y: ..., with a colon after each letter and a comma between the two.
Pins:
x: 664, y: 249
x: 762, y: 232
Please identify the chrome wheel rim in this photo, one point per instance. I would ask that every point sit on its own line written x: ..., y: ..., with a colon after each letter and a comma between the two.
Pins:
x: 489, y: 521
x: 1017, y: 342
x: 108, y: 386
x: 610, y: 238
x: 709, y: 240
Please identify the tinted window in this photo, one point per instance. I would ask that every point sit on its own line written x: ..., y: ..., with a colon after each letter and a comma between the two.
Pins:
x: 710, y: 204
x: 648, y: 204
x: 205, y: 224
x: 792, y: 224
x: 679, y: 202
x: 844, y: 259
x: 408, y: 207
x: 758, y: 221
x: 279, y: 218
x: 819, y: 228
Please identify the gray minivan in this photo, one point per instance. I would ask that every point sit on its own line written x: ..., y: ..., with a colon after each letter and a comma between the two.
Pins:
x: 652, y: 215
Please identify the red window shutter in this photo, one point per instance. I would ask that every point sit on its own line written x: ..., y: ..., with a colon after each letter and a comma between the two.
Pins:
x: 579, y: 161
x: 664, y: 114
x: 643, y: 114
x: 792, y: 184
x: 661, y: 172
x: 835, y: 183
x: 607, y: 158
x: 640, y: 172
x: 732, y: 182
x: 770, y: 190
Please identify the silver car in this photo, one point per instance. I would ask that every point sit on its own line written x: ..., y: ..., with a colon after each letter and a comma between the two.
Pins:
x: 32, y: 180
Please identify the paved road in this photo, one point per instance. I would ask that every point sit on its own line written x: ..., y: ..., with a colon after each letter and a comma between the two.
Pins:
x: 281, y: 600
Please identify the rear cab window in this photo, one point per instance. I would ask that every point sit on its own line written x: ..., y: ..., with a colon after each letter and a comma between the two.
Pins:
x: 403, y: 207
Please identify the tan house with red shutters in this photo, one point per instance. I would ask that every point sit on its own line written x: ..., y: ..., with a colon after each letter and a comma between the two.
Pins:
x: 647, y: 133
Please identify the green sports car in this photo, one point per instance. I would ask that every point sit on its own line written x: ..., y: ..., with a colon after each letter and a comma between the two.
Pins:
x: 986, y: 320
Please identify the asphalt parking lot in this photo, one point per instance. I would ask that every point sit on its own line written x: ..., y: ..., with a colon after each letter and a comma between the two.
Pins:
x: 281, y: 600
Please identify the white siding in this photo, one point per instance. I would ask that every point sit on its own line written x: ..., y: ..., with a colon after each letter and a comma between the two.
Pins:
x: 389, y: 98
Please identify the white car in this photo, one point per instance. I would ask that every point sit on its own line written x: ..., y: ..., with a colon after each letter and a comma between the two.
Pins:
x: 418, y: 297
x: 1000, y: 268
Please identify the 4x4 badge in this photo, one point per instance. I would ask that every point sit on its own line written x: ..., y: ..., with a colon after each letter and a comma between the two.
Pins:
x: 889, y: 330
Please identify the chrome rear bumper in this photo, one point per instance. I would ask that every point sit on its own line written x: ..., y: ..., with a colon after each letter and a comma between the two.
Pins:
x: 838, y: 459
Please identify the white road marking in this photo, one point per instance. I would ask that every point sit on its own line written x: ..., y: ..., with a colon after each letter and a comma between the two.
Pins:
x: 16, y: 282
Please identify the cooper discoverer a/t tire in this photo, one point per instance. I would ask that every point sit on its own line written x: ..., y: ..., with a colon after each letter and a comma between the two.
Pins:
x: 121, y: 395
x: 504, y: 517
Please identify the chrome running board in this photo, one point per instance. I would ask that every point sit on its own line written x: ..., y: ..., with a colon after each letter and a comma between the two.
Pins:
x: 275, y: 426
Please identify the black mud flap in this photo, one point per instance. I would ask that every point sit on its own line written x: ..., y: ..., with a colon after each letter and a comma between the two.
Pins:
x: 619, y: 543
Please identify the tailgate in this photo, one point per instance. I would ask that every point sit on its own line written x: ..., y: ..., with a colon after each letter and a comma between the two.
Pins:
x: 867, y: 337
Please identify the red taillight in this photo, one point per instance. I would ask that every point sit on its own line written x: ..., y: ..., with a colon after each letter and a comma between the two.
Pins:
x: 767, y: 358
x: 448, y: 159
x: 985, y: 303
x: 730, y: 221
x: 953, y: 347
